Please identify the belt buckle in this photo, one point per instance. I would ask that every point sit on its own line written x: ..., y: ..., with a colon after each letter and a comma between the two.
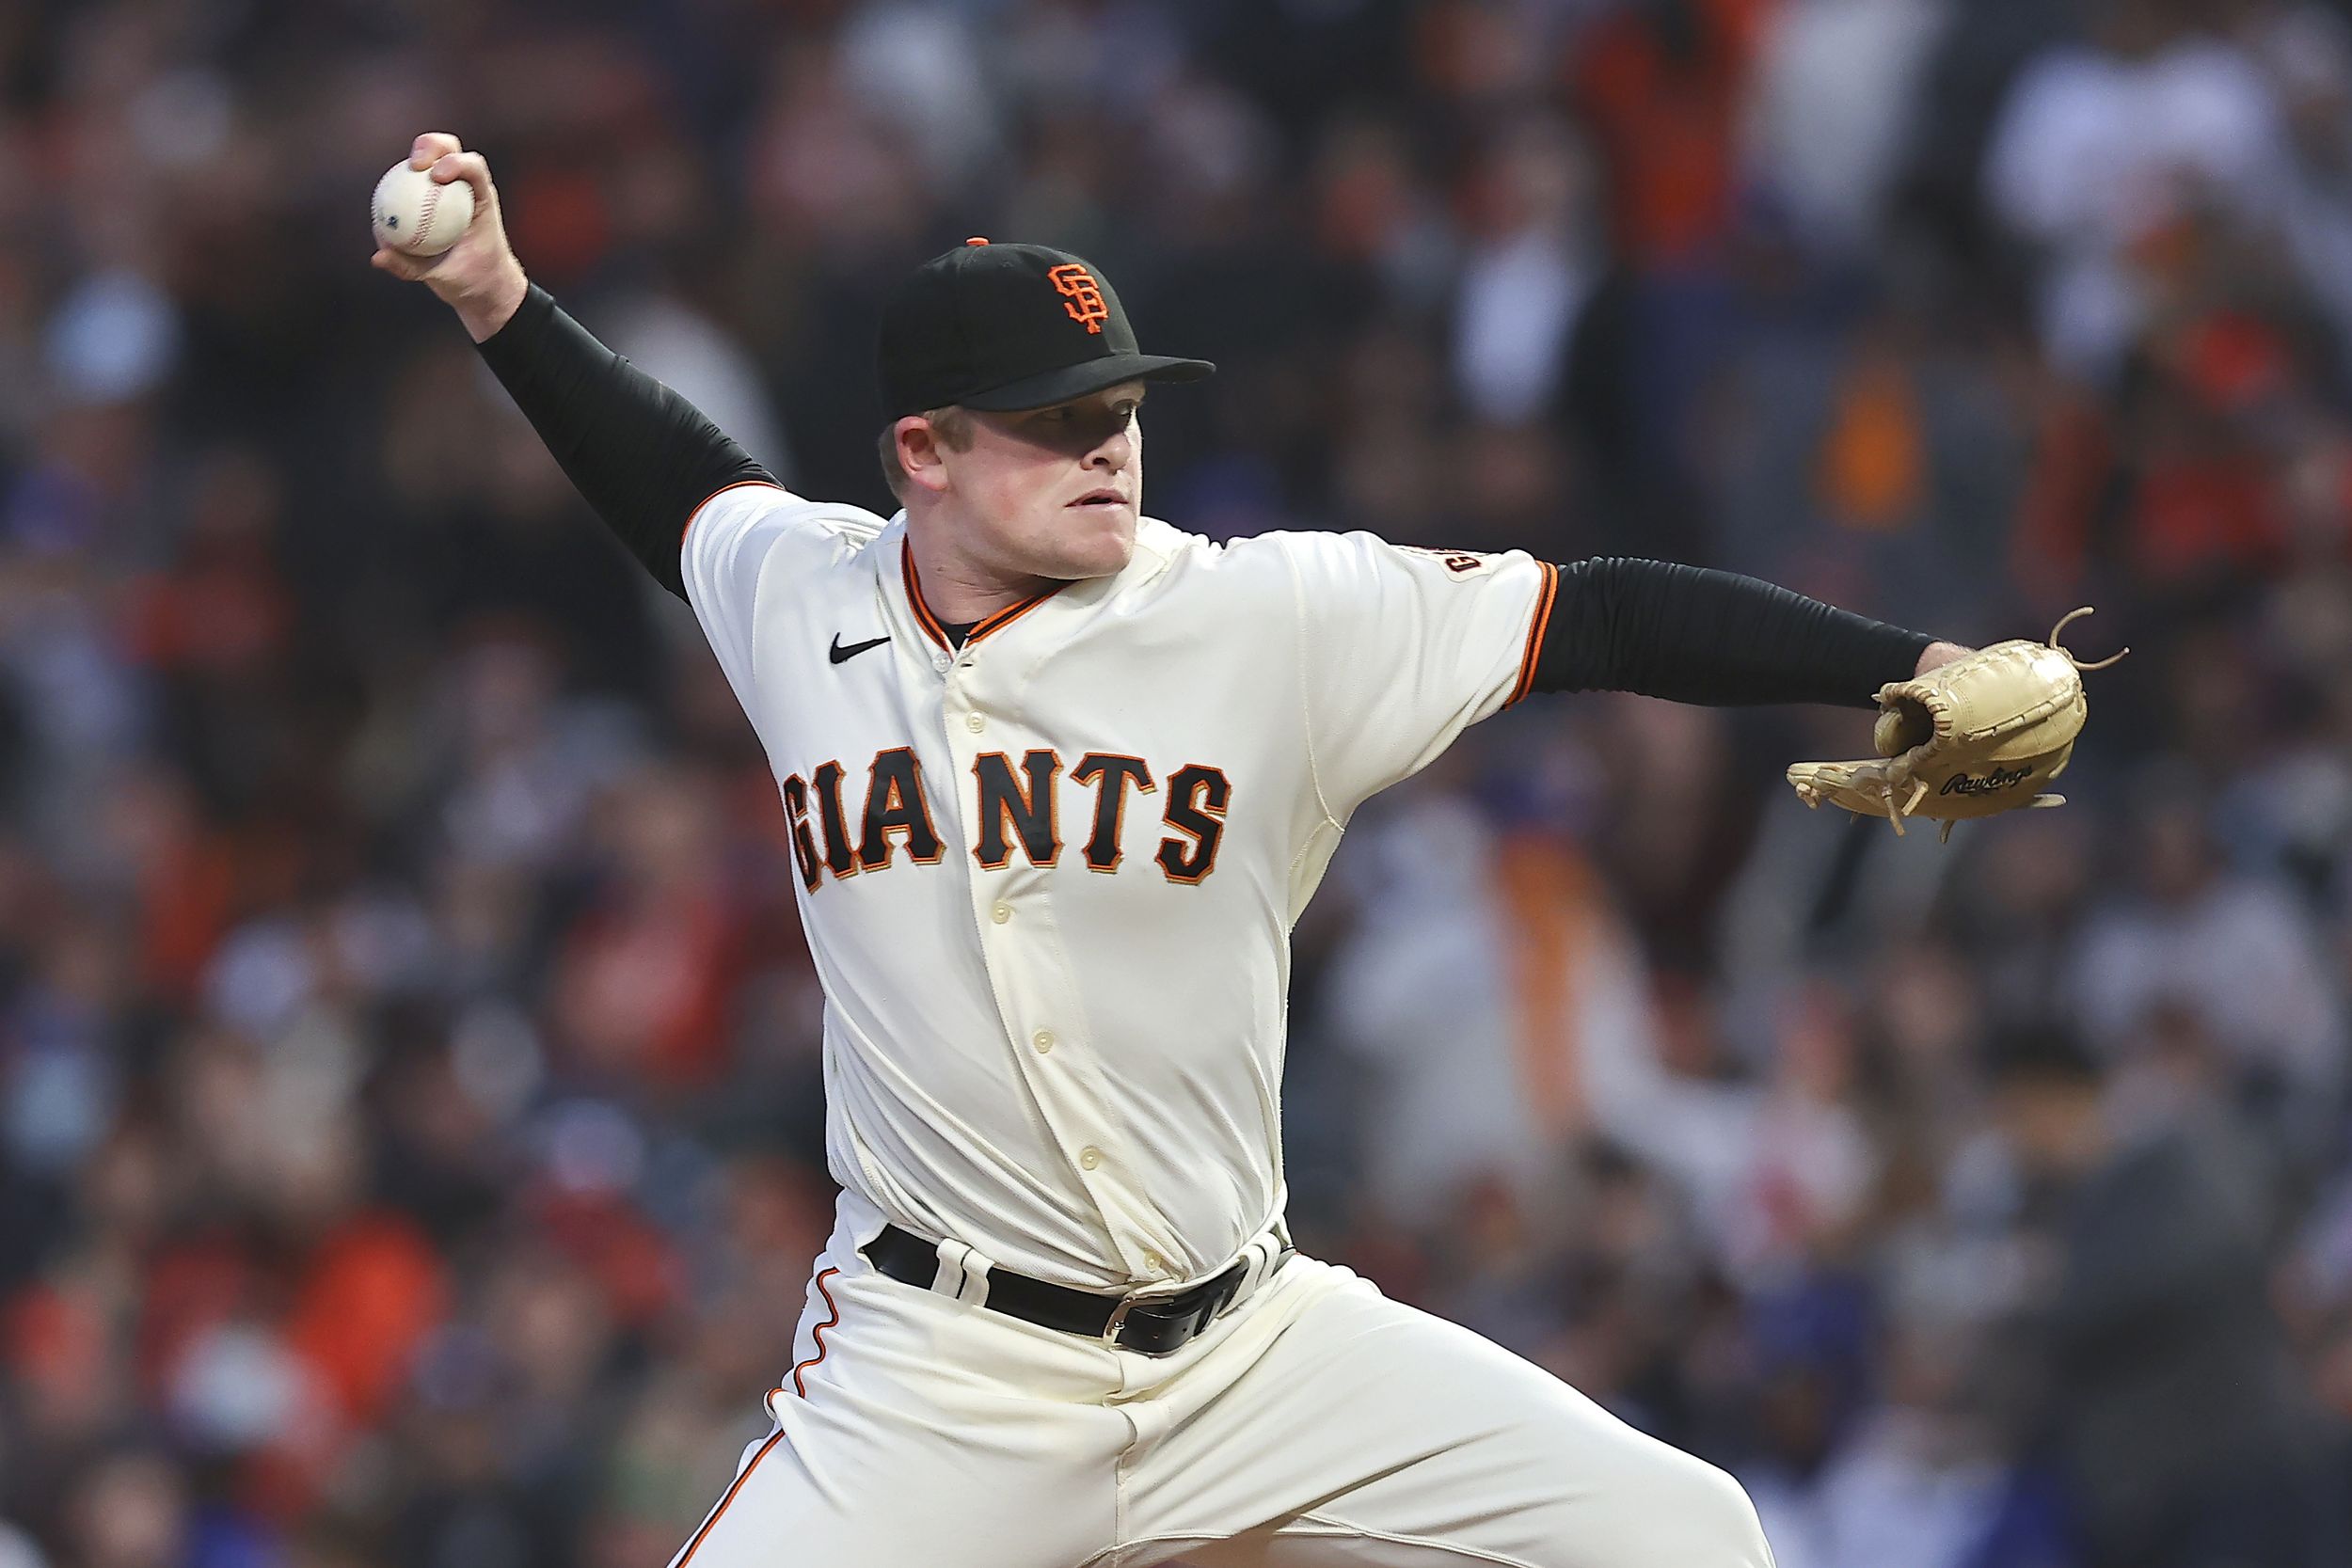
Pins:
x: 1166, y: 1332
x: 1117, y: 1321
x: 1172, y: 1330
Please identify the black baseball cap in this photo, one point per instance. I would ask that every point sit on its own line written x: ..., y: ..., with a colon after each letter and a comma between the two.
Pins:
x: 1009, y: 327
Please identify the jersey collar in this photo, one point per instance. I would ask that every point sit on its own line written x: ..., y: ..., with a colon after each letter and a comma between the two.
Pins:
x: 929, y: 621
x: 893, y: 558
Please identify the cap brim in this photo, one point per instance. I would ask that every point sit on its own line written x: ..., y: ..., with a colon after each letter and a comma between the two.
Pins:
x: 1077, y: 381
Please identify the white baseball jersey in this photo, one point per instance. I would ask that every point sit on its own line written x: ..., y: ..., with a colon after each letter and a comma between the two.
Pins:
x: 1049, y: 878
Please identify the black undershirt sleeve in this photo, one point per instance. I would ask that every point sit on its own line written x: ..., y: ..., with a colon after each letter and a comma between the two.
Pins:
x: 1712, y: 638
x: 643, y: 456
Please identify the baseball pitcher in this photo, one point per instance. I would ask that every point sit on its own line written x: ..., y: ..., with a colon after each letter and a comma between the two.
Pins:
x: 1059, y: 779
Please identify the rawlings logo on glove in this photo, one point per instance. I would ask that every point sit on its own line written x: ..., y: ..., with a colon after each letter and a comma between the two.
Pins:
x: 1961, y: 784
x: 1980, y: 735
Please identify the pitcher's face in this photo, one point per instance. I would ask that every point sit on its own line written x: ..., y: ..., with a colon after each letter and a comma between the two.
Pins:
x: 1050, y: 492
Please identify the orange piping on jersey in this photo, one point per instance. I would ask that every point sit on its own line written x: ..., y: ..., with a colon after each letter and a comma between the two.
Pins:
x: 1541, y: 619
x: 923, y: 615
x: 712, y: 497
x: 817, y: 1334
x: 1007, y: 617
x: 701, y: 1535
x: 930, y: 623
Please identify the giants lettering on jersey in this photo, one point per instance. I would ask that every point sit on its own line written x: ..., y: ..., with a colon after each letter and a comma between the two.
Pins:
x: 1019, y: 812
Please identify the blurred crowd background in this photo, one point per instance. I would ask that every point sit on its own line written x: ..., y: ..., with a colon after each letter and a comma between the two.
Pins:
x: 409, y: 1089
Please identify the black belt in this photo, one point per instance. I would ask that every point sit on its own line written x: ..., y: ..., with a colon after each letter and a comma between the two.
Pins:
x: 1156, y: 1326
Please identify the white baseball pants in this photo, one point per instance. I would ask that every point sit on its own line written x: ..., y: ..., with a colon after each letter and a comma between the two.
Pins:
x: 1316, y: 1423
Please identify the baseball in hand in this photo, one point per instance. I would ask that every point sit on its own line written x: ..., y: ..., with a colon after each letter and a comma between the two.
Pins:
x: 416, y: 214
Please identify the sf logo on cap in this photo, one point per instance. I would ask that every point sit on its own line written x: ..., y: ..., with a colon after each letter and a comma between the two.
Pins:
x: 1082, y: 296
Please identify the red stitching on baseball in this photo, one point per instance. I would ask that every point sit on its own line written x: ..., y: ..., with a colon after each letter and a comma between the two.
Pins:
x: 425, y: 211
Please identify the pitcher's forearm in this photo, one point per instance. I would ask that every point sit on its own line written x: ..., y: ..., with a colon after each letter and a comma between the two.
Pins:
x: 1714, y: 638
x: 643, y: 456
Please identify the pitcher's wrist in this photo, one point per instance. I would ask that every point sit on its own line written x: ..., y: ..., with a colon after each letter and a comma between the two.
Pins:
x: 1938, y: 653
x: 484, y: 316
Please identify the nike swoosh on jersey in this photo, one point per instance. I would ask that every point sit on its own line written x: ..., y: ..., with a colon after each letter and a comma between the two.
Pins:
x: 838, y: 654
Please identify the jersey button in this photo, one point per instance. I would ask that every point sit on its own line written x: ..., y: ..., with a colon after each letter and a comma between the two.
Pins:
x: 973, y: 722
x: 1089, y: 1156
x: 1152, y: 1262
x: 1001, y: 913
x: 1043, y: 1041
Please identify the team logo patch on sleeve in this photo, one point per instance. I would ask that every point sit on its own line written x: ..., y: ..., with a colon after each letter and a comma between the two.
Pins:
x: 1462, y: 564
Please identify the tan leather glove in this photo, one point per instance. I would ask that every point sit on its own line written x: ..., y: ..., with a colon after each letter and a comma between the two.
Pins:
x: 1979, y: 736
